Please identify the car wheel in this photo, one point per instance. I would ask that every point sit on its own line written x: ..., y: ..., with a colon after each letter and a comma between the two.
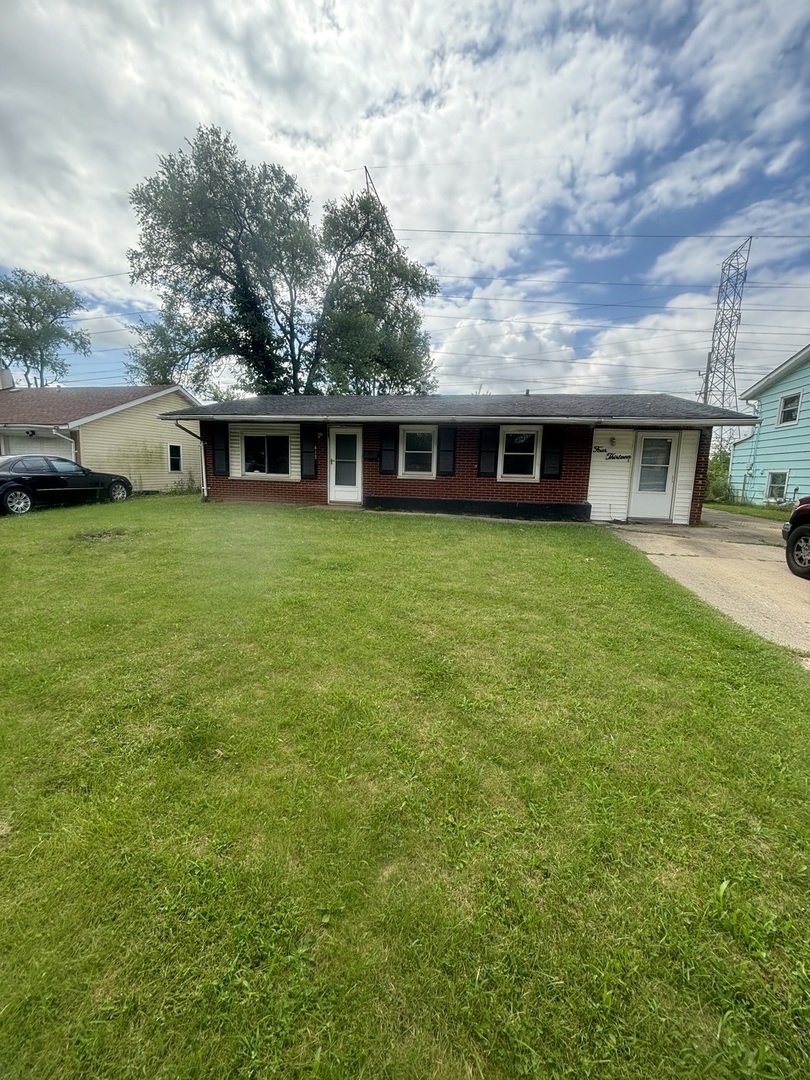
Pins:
x: 17, y: 501
x: 118, y: 491
x: 797, y: 551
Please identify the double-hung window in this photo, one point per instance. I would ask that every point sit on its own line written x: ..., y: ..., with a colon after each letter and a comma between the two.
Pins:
x: 776, y: 487
x: 788, y: 409
x: 175, y: 457
x: 519, y: 453
x: 417, y: 452
x: 267, y: 454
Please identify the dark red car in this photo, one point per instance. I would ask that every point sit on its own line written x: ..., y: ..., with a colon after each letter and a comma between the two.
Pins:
x: 796, y: 534
x: 30, y: 480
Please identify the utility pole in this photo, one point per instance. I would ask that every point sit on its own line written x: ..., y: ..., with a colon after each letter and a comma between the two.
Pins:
x: 719, y: 382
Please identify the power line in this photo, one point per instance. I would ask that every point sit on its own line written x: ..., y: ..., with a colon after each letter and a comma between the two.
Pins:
x: 663, y: 308
x: 112, y: 315
x: 97, y: 277
x: 765, y: 327
x: 622, y: 284
x: 607, y: 236
x: 544, y: 281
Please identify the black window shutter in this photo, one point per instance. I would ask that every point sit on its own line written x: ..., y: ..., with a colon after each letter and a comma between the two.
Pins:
x: 221, y: 456
x: 309, y: 455
x: 446, y: 465
x: 488, y: 451
x: 551, y: 458
x: 389, y: 437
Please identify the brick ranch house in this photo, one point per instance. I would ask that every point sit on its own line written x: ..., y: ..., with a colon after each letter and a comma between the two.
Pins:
x: 563, y: 456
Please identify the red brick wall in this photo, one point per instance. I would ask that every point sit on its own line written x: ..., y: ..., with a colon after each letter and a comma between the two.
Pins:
x: 701, y: 472
x: 305, y: 492
x: 572, y: 487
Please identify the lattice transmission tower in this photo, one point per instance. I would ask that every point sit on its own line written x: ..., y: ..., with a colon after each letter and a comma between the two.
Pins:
x: 719, y: 382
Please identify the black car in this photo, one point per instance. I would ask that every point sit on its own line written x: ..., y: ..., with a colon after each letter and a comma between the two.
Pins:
x: 796, y: 534
x: 32, y: 480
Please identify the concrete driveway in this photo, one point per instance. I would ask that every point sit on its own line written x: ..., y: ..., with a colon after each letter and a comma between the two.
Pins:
x: 736, y: 564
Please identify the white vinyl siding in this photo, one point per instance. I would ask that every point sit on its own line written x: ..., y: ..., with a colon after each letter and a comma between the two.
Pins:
x: 612, y: 473
x: 611, y: 468
x: 237, y: 443
x: 685, y: 477
x: 133, y: 441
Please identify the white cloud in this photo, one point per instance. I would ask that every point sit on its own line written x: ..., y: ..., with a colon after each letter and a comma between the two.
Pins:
x: 494, y: 117
x: 700, y: 175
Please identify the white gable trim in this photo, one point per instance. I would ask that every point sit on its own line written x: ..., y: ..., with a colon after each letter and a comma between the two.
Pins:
x: 128, y: 405
x: 801, y: 357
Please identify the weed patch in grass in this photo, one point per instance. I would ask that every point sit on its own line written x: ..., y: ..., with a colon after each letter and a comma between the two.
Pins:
x: 101, y: 534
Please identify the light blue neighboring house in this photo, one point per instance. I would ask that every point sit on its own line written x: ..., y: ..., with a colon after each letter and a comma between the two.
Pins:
x: 772, y: 464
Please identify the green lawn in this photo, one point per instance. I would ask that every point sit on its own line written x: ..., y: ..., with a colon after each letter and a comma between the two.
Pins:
x: 302, y: 793
x: 772, y: 513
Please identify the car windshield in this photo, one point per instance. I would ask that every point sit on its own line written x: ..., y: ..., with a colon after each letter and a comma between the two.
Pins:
x: 5, y: 461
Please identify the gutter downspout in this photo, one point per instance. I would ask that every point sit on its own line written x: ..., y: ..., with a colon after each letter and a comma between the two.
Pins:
x: 67, y: 438
x: 753, y: 458
x: 203, y: 477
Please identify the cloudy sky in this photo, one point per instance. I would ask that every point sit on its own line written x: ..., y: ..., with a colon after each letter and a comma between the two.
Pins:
x: 573, y: 172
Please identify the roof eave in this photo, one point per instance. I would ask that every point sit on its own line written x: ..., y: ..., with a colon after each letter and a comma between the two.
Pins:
x: 732, y: 420
x: 753, y: 393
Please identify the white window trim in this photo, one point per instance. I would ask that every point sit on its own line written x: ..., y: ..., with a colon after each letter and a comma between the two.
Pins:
x: 776, y: 472
x: 519, y: 429
x: 267, y: 475
x: 788, y: 423
x: 403, y: 430
x: 169, y: 446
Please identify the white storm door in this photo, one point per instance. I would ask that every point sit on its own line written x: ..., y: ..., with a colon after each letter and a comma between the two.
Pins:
x: 654, y: 477
x: 345, y: 465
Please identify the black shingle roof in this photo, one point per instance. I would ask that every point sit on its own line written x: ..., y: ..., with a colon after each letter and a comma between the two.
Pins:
x: 581, y: 408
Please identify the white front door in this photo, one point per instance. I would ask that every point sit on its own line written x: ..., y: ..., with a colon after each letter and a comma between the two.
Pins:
x: 654, y: 476
x: 345, y: 464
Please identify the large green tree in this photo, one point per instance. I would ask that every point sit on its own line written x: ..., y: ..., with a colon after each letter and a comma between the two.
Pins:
x: 247, y: 279
x: 34, y: 309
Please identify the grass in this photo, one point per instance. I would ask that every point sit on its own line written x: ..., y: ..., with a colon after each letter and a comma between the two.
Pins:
x: 301, y: 793
x: 772, y: 513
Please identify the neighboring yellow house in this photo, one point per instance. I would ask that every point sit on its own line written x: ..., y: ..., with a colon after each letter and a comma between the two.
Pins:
x: 109, y: 429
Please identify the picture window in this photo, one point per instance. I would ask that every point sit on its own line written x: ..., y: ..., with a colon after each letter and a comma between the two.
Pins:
x: 267, y: 454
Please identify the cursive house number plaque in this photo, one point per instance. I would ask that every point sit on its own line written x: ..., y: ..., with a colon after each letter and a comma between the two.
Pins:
x: 609, y: 455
